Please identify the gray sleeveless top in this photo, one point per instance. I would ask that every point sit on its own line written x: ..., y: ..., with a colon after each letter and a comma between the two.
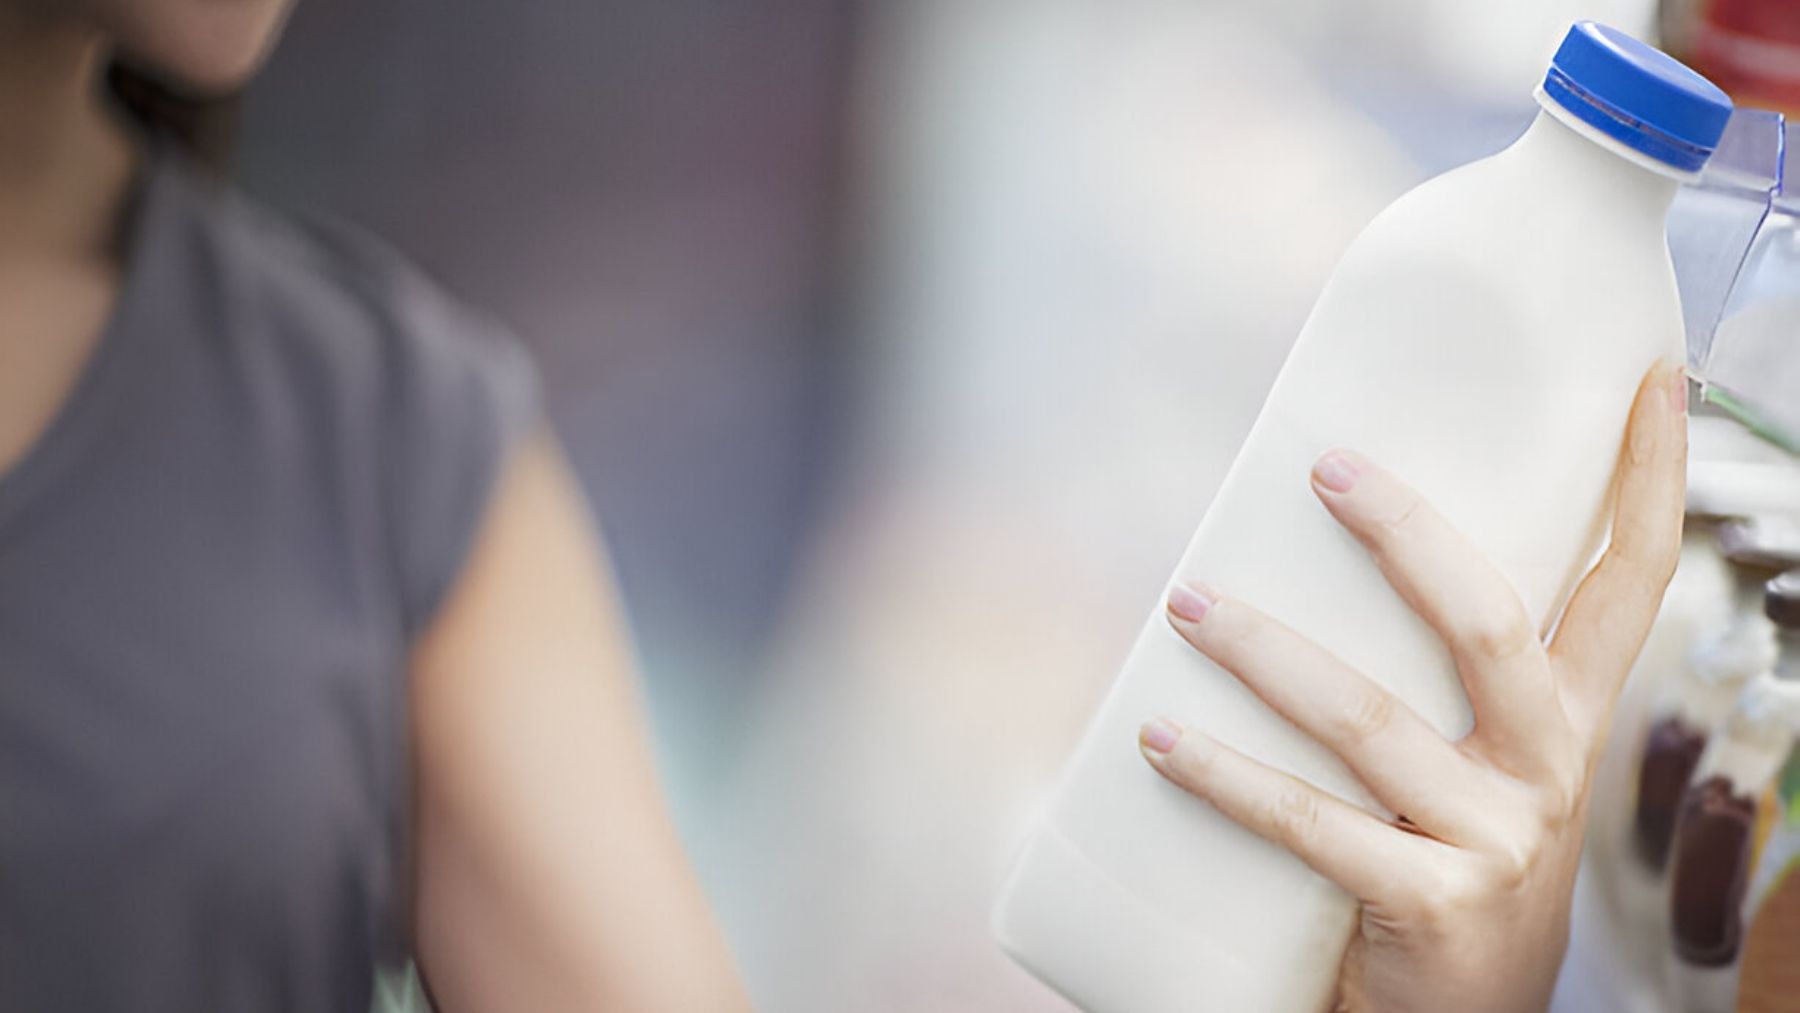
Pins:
x: 212, y: 565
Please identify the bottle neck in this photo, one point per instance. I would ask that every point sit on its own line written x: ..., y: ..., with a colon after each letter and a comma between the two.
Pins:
x: 1787, y: 664
x: 1600, y: 168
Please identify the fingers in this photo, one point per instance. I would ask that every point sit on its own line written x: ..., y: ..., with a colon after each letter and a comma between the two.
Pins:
x: 1612, y: 609
x: 1409, y: 767
x: 1353, y: 849
x: 1453, y: 587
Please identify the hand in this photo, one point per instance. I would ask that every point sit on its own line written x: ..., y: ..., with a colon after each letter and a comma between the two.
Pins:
x: 1465, y: 898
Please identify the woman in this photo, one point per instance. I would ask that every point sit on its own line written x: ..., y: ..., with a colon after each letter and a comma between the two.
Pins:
x: 308, y: 660
x: 310, y: 666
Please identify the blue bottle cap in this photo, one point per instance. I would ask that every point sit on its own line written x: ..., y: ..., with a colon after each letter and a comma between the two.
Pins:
x: 1637, y: 95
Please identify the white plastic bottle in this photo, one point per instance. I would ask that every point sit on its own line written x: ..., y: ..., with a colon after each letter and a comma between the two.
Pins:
x: 1483, y: 338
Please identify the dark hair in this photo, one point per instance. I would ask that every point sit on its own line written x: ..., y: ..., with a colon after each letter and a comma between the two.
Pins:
x: 205, y: 127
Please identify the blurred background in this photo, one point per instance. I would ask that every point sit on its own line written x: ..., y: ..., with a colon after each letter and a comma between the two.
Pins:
x: 900, y: 346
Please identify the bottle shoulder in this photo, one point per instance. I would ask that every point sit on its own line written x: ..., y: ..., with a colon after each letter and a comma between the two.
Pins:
x: 1462, y: 286
x: 1498, y: 209
x: 1484, y: 232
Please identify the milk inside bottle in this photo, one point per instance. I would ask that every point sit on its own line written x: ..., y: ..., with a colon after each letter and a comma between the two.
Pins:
x: 1483, y: 338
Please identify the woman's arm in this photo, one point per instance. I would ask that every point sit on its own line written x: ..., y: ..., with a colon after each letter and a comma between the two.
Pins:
x: 549, y: 874
x: 1465, y: 895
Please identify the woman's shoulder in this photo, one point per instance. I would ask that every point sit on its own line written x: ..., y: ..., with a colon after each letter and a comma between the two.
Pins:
x: 314, y: 320
x: 320, y: 310
x: 317, y: 280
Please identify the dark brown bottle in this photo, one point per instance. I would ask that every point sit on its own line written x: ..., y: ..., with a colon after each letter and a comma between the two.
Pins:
x: 1711, y: 873
x: 1713, y: 854
x: 1671, y: 750
x: 1740, y: 646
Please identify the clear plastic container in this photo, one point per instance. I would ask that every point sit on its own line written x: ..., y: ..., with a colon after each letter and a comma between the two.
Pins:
x: 1735, y: 237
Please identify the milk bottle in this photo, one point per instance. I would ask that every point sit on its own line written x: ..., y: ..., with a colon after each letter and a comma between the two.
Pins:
x: 1483, y: 338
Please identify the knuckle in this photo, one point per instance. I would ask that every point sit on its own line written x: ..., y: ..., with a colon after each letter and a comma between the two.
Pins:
x: 1401, y: 521
x: 1509, y: 868
x: 1446, y: 894
x: 1559, y: 800
x: 1511, y: 859
x: 1499, y: 633
x: 1188, y: 767
x: 1368, y: 715
x: 1293, y: 817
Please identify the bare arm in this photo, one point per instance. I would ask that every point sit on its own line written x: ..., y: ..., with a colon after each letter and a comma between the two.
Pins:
x: 550, y: 876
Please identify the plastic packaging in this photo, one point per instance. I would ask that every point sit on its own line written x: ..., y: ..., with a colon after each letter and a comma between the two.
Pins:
x: 1716, y: 223
x: 1751, y: 368
x: 1736, y: 242
x: 1483, y: 338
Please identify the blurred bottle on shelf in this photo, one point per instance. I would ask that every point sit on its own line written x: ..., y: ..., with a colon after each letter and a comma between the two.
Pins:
x: 1769, y: 974
x: 1726, y: 815
x: 1751, y: 48
x: 1710, y: 638
x: 1737, y: 648
x: 1629, y: 890
x: 1731, y: 808
x: 1733, y: 643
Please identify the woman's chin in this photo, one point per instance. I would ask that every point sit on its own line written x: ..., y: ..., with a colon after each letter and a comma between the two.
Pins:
x: 204, y: 55
x: 210, y: 80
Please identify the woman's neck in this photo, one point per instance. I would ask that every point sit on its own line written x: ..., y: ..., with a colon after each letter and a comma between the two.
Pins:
x: 65, y: 164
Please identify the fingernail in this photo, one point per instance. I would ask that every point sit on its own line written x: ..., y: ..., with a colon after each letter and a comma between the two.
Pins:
x: 1190, y: 602
x: 1159, y: 736
x: 1335, y: 472
x: 1678, y: 389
